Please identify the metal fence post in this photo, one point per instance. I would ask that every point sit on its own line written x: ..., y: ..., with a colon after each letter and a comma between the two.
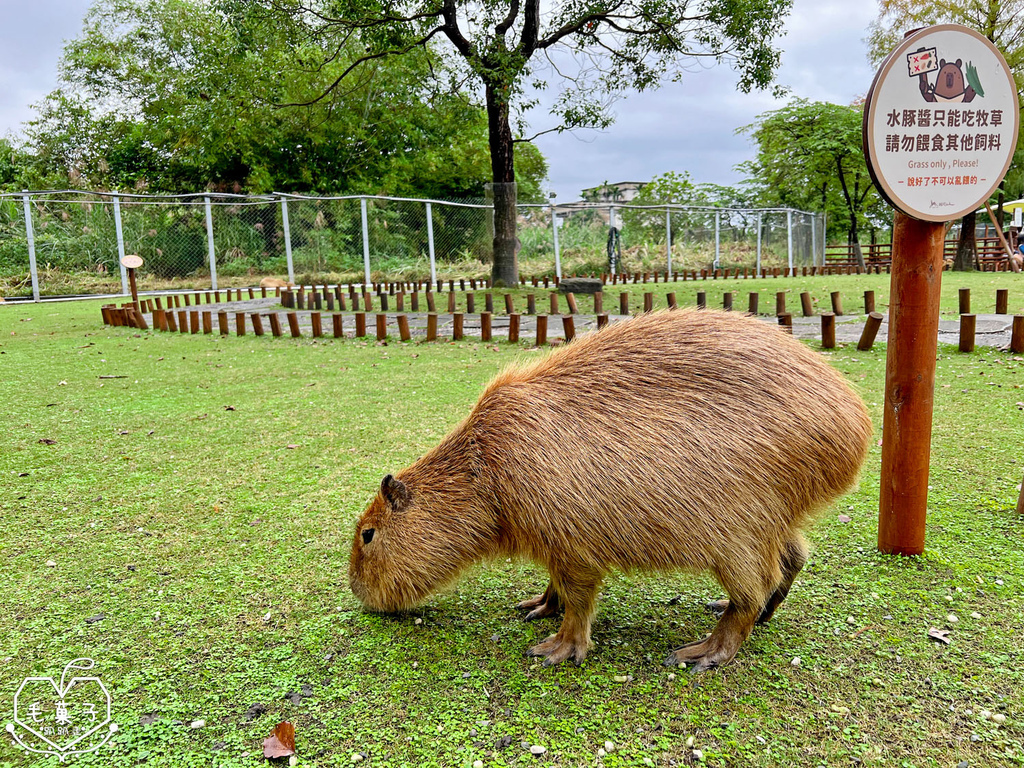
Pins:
x: 758, y: 269
x: 814, y: 241
x: 30, y: 234
x: 209, y: 243
x: 789, y: 234
x: 668, y: 238
x: 287, y: 239
x: 824, y: 236
x: 718, y: 239
x: 120, y: 244
x: 366, y: 243
x: 430, y: 244
x: 554, y: 235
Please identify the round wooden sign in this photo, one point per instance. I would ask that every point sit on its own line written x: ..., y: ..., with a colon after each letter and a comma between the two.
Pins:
x: 940, y: 123
x: 132, y: 261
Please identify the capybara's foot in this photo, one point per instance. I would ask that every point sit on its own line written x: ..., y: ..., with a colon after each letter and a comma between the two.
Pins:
x: 541, y: 606
x: 719, y: 607
x: 557, y: 649
x: 702, y: 655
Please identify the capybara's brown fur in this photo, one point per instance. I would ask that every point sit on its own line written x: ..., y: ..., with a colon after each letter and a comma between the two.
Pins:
x: 275, y: 282
x: 684, y: 440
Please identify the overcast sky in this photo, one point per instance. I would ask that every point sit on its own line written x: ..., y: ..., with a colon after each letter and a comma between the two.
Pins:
x: 685, y: 126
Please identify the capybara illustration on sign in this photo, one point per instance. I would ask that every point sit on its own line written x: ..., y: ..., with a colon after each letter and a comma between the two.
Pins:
x: 690, y: 440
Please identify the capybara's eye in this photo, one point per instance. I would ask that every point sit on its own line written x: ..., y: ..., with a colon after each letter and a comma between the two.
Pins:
x: 368, y: 535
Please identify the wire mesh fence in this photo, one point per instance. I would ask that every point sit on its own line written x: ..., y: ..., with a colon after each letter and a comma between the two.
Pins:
x: 61, y: 243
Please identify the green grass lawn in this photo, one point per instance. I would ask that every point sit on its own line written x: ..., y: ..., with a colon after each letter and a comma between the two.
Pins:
x: 204, y: 505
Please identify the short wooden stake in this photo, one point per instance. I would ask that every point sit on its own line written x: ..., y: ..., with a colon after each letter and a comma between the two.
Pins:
x: 183, y: 321
x: 807, y: 304
x: 403, y: 327
x: 457, y: 326
x: 1002, y: 301
x: 222, y: 323
x: 786, y: 321
x: 968, y: 323
x: 471, y: 302
x: 318, y: 328
x: 867, y: 336
x: 337, y: 323
x: 257, y: 323
x: 1017, y: 335
x: 382, y: 325
x: 431, y: 302
x: 293, y: 325
x: 554, y: 303
x: 702, y: 300
x: 837, y: 303
x: 415, y: 299
x: 869, y: 302
x: 780, y: 303
x: 828, y: 330
x: 727, y: 301
x: 542, y: 330
x: 569, y: 327
x: 602, y: 321
x: 513, y: 328
x: 451, y: 303
x: 159, y: 318
x: 571, y: 300
x: 965, y: 301
x: 367, y: 302
x: 360, y: 324
x: 670, y: 297
x: 752, y: 303
x: 240, y: 323
x: 510, y: 306
x: 207, y: 322
x: 598, y: 303
x: 193, y: 321
x: 485, y: 326
x: 275, y: 324
x: 432, y: 326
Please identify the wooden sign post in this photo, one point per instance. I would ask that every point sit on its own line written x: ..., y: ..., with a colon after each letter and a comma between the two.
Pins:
x: 131, y: 263
x: 940, y: 127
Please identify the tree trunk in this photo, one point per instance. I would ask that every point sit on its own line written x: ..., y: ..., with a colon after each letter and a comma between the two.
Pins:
x: 505, y: 267
x: 965, y: 246
x: 858, y: 252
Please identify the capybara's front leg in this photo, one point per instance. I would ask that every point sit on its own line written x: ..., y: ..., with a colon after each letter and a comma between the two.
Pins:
x: 578, y: 592
x: 733, y: 628
x: 542, y: 606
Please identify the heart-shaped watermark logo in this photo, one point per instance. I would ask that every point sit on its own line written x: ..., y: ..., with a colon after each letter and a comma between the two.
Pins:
x: 66, y: 719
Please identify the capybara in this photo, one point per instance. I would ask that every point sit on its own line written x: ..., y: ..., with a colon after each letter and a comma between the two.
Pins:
x: 687, y: 440
x: 275, y: 282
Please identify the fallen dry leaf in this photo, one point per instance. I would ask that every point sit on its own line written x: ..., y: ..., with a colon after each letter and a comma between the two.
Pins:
x: 229, y: 407
x: 942, y: 635
x: 281, y: 743
x: 48, y: 441
x: 291, y: 446
x: 844, y: 518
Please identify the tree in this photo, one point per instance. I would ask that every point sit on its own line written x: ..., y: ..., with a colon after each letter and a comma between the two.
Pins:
x: 1000, y: 22
x: 180, y: 95
x: 595, y: 49
x: 809, y: 155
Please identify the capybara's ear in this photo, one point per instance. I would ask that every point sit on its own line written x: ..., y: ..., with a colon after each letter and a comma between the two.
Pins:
x: 394, y: 492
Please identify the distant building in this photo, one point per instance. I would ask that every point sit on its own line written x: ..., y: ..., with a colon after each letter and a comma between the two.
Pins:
x: 619, y: 192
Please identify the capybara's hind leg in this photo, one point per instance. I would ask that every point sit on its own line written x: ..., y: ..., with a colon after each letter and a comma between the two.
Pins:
x: 542, y: 606
x: 577, y: 593
x: 791, y: 562
x: 794, y: 557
